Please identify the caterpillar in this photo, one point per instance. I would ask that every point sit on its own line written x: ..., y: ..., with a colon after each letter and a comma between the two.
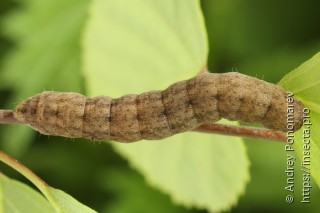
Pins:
x: 154, y: 115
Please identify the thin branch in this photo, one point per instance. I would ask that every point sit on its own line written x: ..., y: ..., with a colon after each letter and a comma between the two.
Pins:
x: 22, y: 169
x: 7, y: 117
x: 243, y: 131
x: 30, y: 175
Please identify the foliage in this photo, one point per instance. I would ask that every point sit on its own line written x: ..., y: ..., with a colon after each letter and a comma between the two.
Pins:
x: 307, y: 138
x: 164, y: 41
x: 18, y: 197
x: 186, y: 166
x: 46, y: 56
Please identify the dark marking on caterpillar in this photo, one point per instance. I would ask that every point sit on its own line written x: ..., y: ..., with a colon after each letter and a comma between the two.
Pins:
x: 154, y: 115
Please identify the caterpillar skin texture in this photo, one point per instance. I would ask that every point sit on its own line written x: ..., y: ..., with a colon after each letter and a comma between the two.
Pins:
x: 154, y: 115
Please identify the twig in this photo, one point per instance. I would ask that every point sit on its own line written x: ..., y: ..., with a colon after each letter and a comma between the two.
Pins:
x: 7, y: 117
x: 22, y: 169
x: 243, y: 131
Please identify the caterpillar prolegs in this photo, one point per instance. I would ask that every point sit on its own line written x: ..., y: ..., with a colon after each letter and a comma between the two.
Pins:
x: 153, y: 115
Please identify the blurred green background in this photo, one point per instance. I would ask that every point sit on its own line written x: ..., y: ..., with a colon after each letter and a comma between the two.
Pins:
x: 266, y: 39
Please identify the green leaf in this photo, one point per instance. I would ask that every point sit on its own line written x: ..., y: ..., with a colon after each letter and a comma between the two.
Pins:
x: 196, y: 169
x: 65, y: 203
x: 18, y: 197
x: 129, y: 51
x: 46, y: 57
x: 304, y: 82
x: 60, y: 201
x: 47, y: 38
x: 139, y: 51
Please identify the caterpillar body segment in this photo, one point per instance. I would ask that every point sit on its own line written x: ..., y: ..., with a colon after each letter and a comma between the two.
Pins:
x: 154, y: 115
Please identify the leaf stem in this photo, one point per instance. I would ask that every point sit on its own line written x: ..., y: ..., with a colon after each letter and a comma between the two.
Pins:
x: 22, y: 169
x: 31, y: 176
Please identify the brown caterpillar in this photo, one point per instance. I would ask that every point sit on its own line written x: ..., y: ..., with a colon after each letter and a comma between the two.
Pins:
x: 154, y: 115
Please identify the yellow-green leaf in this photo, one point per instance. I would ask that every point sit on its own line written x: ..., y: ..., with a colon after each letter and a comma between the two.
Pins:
x: 65, y: 203
x: 21, y: 195
x: 197, y: 170
x: 142, y: 45
x: 139, y: 45
x: 304, y: 82
x: 18, y: 197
